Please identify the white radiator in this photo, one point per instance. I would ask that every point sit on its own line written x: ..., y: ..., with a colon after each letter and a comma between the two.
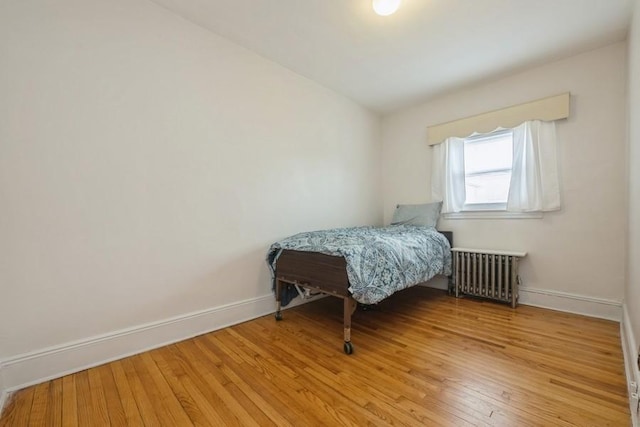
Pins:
x: 487, y: 273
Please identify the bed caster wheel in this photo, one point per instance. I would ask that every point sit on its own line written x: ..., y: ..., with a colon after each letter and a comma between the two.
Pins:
x: 348, y: 347
x: 278, y: 316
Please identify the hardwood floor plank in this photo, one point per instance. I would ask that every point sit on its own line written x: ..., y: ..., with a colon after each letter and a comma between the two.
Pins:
x: 338, y: 385
x: 479, y: 367
x: 129, y: 406
x: 284, y: 393
x: 100, y: 414
x: 421, y: 358
x: 199, y: 408
x: 230, y: 404
x: 162, y: 397
x: 53, y: 415
x: 138, y: 390
x: 39, y: 404
x: 329, y: 391
x: 488, y: 375
x: 273, y: 412
x: 84, y: 402
x: 69, y: 401
x: 111, y: 395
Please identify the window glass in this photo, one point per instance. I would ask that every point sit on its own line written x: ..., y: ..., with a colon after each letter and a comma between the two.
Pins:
x: 487, y: 163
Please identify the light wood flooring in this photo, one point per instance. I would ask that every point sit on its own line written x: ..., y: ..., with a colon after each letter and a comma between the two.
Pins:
x: 421, y: 358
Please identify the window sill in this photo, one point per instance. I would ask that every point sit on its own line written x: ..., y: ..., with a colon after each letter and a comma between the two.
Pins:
x: 493, y: 215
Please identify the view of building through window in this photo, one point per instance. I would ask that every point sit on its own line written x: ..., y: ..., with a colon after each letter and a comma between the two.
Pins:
x: 488, y: 161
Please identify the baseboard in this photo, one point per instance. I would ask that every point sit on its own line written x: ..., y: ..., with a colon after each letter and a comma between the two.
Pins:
x: 630, y: 351
x: 571, y: 303
x: 438, y: 282
x: 54, y: 362
x: 4, y: 394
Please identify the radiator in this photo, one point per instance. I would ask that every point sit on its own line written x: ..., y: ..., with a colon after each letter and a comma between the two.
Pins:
x: 487, y: 274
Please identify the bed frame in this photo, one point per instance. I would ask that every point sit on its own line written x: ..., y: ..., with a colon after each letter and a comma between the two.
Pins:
x: 321, y: 273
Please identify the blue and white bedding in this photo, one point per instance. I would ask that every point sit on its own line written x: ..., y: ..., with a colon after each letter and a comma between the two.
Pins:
x: 380, y: 261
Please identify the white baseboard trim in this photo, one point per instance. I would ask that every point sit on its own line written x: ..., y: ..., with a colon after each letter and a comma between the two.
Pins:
x: 630, y: 351
x: 571, y: 303
x: 54, y: 362
x: 4, y: 394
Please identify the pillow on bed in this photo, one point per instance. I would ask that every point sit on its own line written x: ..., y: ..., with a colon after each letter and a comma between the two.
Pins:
x: 426, y: 214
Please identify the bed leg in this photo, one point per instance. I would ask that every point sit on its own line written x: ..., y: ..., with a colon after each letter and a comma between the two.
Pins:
x: 278, y: 299
x: 349, y: 307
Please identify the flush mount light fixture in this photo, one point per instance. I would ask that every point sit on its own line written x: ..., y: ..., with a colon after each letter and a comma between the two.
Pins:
x: 385, y: 7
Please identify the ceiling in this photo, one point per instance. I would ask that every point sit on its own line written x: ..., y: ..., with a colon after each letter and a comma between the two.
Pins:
x: 426, y: 48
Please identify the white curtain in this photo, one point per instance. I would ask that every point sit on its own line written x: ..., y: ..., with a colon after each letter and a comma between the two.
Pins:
x: 447, y: 174
x: 534, y: 179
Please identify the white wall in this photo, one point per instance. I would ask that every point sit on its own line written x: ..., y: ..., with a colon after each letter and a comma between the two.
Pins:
x: 632, y: 290
x: 146, y: 165
x: 579, y: 250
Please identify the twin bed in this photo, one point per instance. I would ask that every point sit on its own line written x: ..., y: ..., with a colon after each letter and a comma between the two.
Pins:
x: 363, y: 264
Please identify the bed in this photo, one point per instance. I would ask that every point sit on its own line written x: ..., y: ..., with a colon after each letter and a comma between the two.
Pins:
x: 360, y: 265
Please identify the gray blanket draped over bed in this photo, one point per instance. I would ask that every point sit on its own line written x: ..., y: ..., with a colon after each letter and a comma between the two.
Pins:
x: 380, y: 260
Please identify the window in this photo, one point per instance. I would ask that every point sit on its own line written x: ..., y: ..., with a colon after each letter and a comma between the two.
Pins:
x: 511, y: 173
x: 488, y: 160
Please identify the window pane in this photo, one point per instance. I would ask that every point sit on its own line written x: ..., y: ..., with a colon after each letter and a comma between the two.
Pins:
x: 488, y: 161
x: 488, y: 154
x: 488, y: 188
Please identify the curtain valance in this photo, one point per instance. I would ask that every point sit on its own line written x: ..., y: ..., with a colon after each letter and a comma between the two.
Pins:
x: 546, y: 109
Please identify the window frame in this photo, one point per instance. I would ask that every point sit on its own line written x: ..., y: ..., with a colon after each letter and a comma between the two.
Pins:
x: 496, y: 207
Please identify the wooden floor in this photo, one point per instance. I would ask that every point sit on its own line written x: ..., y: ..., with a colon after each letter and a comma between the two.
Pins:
x: 421, y: 358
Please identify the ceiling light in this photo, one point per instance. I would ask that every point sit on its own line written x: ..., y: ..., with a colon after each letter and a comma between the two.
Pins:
x: 385, y: 7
